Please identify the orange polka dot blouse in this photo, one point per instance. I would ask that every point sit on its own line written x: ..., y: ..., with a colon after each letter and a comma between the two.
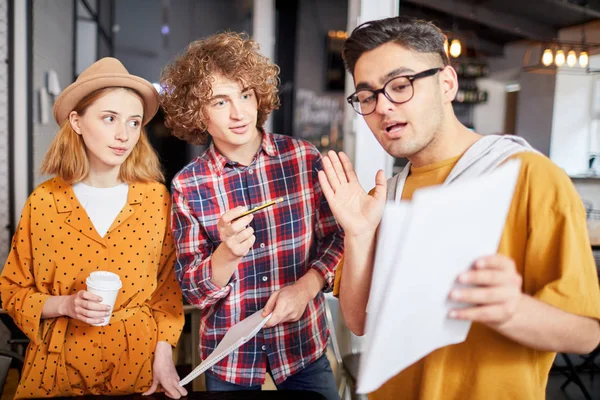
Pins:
x: 53, y: 251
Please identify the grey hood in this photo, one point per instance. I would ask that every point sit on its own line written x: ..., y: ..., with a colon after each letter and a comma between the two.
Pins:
x: 482, y: 157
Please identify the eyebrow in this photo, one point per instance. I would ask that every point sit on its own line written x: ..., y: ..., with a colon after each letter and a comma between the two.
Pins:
x: 386, y: 77
x: 116, y: 113
x: 219, y: 96
x: 226, y: 96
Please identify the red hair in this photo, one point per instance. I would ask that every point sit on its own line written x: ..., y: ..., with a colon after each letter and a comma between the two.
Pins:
x: 68, y: 159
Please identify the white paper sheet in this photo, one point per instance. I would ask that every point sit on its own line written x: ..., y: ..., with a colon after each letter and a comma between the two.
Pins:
x: 420, y: 253
x: 236, y: 336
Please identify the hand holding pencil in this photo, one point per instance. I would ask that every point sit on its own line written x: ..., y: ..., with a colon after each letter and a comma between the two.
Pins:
x: 237, y: 237
x: 258, y: 208
x: 235, y: 234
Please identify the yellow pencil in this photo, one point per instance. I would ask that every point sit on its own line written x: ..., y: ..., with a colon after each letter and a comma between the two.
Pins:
x: 258, y: 208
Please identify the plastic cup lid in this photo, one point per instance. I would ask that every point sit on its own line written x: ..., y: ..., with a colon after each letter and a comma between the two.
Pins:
x: 105, y: 276
x: 104, y: 280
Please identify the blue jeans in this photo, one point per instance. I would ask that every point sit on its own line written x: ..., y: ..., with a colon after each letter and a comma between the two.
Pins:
x: 316, y: 377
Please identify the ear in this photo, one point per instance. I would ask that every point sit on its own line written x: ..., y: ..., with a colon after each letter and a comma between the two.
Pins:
x: 449, y: 82
x: 74, y: 121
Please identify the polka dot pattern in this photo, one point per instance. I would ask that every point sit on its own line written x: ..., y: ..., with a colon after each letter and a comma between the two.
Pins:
x: 53, y: 251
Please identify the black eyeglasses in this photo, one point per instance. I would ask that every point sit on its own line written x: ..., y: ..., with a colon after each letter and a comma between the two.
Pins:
x: 398, y: 90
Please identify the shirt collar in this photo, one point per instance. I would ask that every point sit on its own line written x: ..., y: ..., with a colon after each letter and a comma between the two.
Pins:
x: 64, y: 195
x: 219, y: 161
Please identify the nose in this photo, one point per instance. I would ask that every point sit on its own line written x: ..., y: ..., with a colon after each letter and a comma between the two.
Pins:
x: 236, y: 111
x: 121, y: 133
x: 383, y: 104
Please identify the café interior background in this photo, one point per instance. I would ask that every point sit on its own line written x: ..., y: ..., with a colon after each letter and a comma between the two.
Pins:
x: 528, y: 68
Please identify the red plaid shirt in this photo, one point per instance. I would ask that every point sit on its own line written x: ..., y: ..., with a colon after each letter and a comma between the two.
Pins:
x: 292, y: 237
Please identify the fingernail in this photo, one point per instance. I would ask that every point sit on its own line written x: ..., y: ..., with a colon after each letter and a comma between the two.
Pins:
x: 456, y: 294
x: 480, y: 264
x: 453, y: 314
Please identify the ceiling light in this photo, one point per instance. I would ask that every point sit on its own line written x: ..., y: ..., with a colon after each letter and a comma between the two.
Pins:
x: 559, y: 60
x: 571, y: 58
x: 455, y: 48
x: 568, y: 57
x: 547, y: 58
x: 583, y: 59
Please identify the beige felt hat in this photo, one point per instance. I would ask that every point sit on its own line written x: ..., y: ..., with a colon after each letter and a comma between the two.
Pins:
x: 106, y: 72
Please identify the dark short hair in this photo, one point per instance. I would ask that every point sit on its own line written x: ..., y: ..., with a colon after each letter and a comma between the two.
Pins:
x: 414, y: 34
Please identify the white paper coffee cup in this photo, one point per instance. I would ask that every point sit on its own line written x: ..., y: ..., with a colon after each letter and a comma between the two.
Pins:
x: 106, y: 285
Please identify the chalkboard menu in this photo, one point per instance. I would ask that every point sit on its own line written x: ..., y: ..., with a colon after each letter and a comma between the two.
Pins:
x: 318, y: 119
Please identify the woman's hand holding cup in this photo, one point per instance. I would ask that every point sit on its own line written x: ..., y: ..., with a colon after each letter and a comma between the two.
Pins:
x: 86, y: 307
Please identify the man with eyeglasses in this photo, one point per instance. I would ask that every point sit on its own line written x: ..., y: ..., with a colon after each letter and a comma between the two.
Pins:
x: 539, y: 295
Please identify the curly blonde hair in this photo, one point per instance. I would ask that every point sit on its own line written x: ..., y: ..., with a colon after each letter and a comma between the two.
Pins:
x: 187, y: 82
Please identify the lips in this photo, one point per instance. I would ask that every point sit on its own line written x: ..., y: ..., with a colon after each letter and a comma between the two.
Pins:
x: 240, y: 129
x: 119, y: 150
x: 394, y: 129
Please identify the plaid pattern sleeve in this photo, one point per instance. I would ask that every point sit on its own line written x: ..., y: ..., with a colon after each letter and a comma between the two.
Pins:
x: 292, y: 237
x: 193, y: 268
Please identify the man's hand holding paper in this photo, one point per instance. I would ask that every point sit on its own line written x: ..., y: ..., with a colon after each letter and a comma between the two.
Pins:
x: 495, y: 292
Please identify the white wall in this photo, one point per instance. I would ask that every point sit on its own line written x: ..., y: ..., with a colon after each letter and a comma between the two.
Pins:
x: 6, y: 169
x: 574, y: 132
x: 20, y: 113
x: 536, y: 97
x: 359, y: 142
x: 52, y: 50
x: 571, y: 122
x: 263, y: 32
x: 488, y: 118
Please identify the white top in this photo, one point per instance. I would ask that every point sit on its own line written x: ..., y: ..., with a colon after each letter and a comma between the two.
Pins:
x: 102, y: 205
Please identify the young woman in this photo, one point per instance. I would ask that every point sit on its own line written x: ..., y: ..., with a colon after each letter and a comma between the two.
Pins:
x: 103, y: 210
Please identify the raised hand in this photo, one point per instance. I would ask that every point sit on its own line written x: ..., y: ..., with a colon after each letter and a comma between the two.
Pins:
x: 356, y: 211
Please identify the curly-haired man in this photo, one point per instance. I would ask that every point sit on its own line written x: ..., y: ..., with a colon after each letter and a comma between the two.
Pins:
x: 280, y: 259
